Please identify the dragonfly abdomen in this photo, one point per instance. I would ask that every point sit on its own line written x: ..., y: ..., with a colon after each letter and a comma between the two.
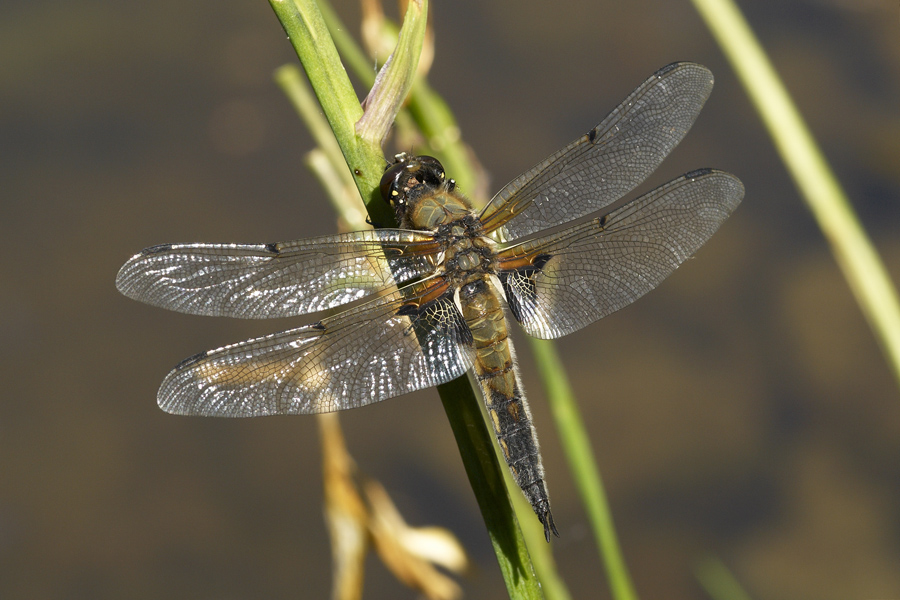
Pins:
x: 495, y: 369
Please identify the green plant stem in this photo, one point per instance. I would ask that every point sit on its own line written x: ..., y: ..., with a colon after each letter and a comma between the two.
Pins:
x: 580, y: 456
x: 291, y: 82
x: 476, y: 446
x: 431, y: 114
x: 313, y: 44
x: 541, y: 552
x: 852, y: 249
x: 460, y: 402
x: 353, y: 55
x: 396, y: 76
x: 336, y: 179
x: 436, y: 121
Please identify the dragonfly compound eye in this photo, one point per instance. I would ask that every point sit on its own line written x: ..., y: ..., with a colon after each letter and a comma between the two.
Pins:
x: 431, y: 168
x: 390, y: 181
x: 408, y: 173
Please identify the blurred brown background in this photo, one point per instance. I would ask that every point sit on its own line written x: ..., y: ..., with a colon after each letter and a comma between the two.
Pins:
x: 742, y: 410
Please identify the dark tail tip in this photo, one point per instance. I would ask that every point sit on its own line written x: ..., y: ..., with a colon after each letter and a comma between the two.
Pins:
x: 547, y: 521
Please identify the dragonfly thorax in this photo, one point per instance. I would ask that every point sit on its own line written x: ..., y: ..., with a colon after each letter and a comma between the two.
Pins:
x: 468, y: 254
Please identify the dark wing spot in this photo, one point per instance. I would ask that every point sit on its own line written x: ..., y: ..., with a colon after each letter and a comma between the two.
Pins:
x: 158, y: 249
x: 697, y: 173
x: 435, y: 322
x: 408, y: 310
x: 538, y: 263
x: 273, y: 248
x: 191, y: 361
x: 521, y: 291
x: 666, y: 69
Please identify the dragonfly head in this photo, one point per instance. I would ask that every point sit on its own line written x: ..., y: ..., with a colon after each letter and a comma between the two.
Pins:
x: 408, y: 178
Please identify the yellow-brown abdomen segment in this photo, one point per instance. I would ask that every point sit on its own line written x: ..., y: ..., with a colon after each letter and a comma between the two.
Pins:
x: 509, y: 414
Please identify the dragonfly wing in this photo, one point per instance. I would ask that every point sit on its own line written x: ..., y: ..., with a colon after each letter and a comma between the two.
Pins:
x: 275, y: 280
x: 410, y: 339
x: 606, y: 163
x: 558, y: 284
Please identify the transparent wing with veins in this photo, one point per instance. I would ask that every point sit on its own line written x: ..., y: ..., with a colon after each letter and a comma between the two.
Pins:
x: 276, y: 280
x: 562, y: 282
x: 609, y: 161
x: 407, y: 340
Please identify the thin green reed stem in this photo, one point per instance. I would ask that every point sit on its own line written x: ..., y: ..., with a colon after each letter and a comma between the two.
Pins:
x: 473, y: 437
x: 476, y: 446
x: 436, y: 121
x: 541, y: 552
x: 313, y: 44
x: 854, y: 252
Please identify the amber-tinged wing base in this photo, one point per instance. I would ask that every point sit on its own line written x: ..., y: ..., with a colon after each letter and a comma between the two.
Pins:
x: 411, y: 339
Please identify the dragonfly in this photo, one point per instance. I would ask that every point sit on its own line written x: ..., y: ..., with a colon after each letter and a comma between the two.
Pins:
x: 427, y: 298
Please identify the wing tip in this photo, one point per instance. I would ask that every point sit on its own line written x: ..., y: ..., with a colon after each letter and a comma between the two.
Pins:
x: 732, y: 187
x: 170, y: 397
x: 700, y: 76
x: 124, y: 282
x: 718, y: 173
